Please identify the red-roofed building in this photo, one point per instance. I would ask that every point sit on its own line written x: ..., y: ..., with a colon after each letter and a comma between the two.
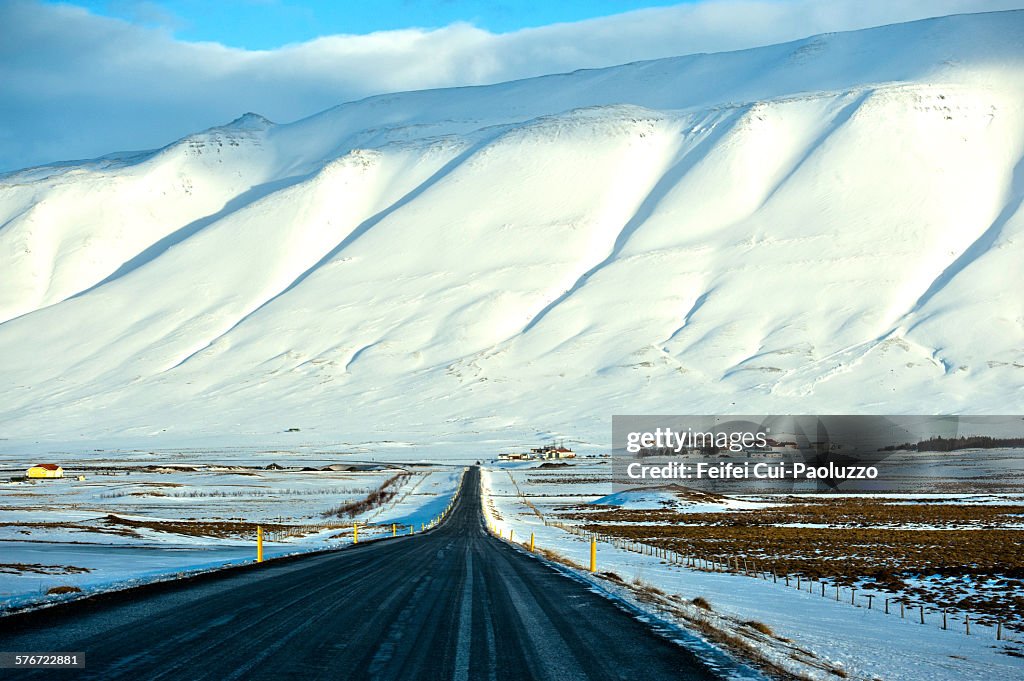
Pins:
x: 46, y: 470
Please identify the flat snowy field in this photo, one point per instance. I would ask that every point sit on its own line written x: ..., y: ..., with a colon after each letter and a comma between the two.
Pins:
x: 821, y: 633
x: 133, y: 520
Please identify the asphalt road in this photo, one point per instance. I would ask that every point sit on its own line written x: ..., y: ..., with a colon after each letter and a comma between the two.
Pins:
x: 454, y: 603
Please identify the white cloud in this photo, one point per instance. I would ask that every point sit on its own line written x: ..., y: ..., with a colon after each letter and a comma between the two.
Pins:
x: 73, y: 84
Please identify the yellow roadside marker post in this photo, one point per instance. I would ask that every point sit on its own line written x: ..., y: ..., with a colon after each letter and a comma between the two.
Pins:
x: 511, y: 532
x: 394, y: 529
x: 259, y: 543
x: 531, y: 542
x: 593, y: 555
x: 412, y: 530
x: 355, y: 533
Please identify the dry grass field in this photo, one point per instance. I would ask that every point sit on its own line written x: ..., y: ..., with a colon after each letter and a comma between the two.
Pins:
x: 968, y: 557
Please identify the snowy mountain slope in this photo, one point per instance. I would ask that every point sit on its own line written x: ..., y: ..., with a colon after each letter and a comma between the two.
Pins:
x: 823, y: 226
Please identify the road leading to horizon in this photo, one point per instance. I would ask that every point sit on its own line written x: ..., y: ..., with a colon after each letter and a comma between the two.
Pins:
x: 454, y: 603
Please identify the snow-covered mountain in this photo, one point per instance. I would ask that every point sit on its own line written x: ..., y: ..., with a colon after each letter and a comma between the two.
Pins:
x: 829, y: 225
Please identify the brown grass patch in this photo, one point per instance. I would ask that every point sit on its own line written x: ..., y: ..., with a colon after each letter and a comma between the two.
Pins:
x: 40, y: 569
x: 378, y: 497
x: 760, y: 626
x: 702, y: 603
x: 201, y: 528
x: 58, y: 590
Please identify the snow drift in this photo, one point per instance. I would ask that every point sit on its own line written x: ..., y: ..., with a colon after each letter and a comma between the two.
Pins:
x: 825, y: 226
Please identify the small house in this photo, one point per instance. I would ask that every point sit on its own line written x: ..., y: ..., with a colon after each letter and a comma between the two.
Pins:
x: 513, y: 457
x: 45, y: 470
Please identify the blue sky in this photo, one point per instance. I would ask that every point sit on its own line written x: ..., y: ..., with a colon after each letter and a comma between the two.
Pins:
x: 266, y: 24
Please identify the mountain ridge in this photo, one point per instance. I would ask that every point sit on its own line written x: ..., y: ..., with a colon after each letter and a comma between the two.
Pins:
x: 442, y: 257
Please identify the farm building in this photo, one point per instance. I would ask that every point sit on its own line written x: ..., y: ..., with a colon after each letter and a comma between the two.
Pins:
x: 553, y: 452
x: 45, y: 470
x: 561, y: 453
x: 513, y: 457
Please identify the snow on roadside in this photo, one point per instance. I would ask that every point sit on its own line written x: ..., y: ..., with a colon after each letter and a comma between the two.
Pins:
x: 95, y: 568
x: 28, y: 569
x: 657, y: 499
x: 865, y: 644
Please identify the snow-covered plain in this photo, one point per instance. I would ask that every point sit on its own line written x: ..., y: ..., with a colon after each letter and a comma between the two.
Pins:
x: 142, y: 516
x: 811, y: 634
x: 823, y: 226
